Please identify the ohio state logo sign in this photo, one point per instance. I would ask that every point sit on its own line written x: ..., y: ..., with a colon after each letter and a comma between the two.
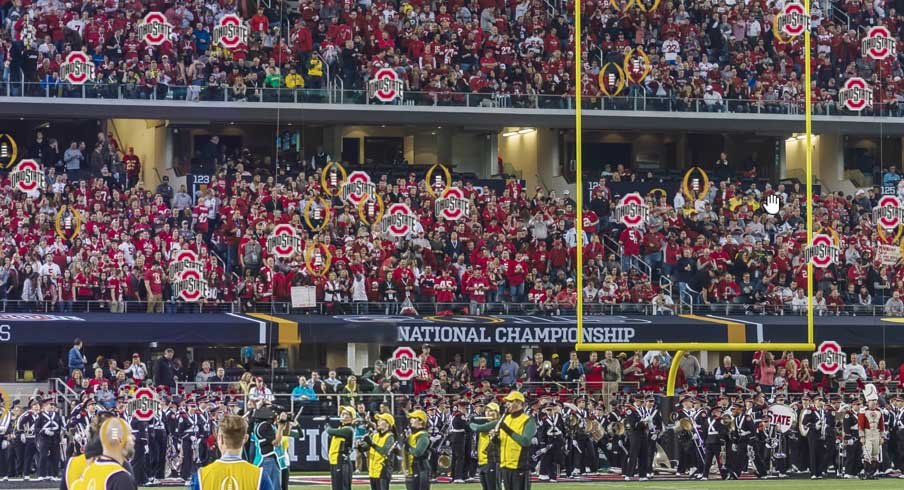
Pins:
x: 399, y: 220
x: 154, y: 29
x: 230, y: 31
x: 77, y: 69
x: 385, y: 86
x: 190, y: 286
x: 284, y: 241
x: 632, y: 210
x: 27, y: 176
x: 878, y: 43
x: 452, y: 205
x: 855, y: 95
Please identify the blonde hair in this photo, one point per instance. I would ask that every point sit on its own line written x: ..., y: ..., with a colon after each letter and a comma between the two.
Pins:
x: 233, y: 429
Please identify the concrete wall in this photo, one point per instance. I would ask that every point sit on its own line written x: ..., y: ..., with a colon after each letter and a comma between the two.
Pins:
x: 828, y: 159
x: 536, y: 155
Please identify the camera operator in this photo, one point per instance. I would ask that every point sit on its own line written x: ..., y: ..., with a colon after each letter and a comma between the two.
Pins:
x: 267, y: 436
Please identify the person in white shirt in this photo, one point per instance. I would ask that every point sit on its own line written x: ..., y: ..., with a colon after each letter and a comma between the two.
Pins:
x: 853, y: 371
x: 259, y: 392
x: 137, y: 370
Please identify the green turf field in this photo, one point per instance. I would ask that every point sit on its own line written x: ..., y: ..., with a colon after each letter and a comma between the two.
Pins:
x: 885, y: 484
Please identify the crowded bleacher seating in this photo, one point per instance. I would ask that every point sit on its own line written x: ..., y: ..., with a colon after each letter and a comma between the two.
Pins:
x: 703, y: 56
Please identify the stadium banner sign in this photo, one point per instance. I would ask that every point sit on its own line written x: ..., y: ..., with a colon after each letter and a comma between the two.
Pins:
x: 9, y: 151
x: 400, y: 330
x: 199, y: 183
x: 386, y: 86
x: 134, y: 328
x: 888, y: 254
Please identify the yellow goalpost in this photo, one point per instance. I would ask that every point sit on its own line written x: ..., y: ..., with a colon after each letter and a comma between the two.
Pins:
x: 682, y: 347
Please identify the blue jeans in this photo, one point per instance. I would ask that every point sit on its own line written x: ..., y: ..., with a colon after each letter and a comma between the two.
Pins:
x: 516, y: 292
x: 271, y: 471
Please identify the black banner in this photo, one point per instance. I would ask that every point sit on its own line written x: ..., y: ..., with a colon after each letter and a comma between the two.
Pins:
x: 310, y: 450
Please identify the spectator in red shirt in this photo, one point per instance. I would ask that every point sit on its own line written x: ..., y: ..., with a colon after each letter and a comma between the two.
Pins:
x: 153, y: 283
x: 477, y: 288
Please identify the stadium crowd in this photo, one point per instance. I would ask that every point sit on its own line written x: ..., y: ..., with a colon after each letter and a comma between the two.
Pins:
x: 515, y: 246
x: 723, y: 54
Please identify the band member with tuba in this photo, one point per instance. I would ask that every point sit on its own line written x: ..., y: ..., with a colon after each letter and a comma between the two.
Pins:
x: 515, y: 430
x: 488, y: 448
x: 871, y: 425
x: 417, y: 452
x: 340, y: 445
x: 379, y: 446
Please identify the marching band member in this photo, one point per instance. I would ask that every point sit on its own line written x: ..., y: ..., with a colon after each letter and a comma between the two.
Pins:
x: 417, y: 452
x: 551, y: 436
x: 716, y: 433
x: 488, y: 448
x: 654, y: 425
x: 139, y: 460
x: 897, y: 432
x: 853, y: 450
x: 188, y: 429
x: 516, y: 431
x: 871, y: 425
x: 48, y: 429
x: 340, y: 446
x: 638, y: 437
x: 458, y: 441
x: 780, y: 458
x: 230, y: 471
x: 7, y: 429
x: 739, y: 437
x: 690, y: 456
x: 379, y: 446
x: 814, y: 422
x: 27, y: 448
x: 108, y: 470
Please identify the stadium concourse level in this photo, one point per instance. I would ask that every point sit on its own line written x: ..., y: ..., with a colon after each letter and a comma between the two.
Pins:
x: 515, y: 252
x: 726, y: 56
x: 598, y: 414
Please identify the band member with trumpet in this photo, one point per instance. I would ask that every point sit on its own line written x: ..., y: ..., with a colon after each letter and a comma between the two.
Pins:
x: 340, y: 446
x: 551, y: 436
x: 516, y: 431
x: 813, y: 423
x: 871, y: 425
x: 637, y: 427
x: 716, y: 430
x: 853, y: 450
x: 488, y: 447
x: 379, y: 444
x: 417, y: 452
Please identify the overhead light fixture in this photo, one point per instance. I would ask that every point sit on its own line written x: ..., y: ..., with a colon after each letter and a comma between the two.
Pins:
x: 526, y: 130
x: 509, y: 133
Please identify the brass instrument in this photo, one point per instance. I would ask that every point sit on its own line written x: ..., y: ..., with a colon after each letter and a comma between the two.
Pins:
x: 595, y: 429
x: 616, y: 429
x: 804, y: 430
x: 402, y: 445
x: 728, y: 422
x: 444, y: 461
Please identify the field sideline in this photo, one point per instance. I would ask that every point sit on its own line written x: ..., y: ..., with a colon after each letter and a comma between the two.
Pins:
x: 887, y: 484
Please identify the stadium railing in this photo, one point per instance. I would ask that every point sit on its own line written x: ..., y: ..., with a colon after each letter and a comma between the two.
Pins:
x: 458, y: 308
x: 333, y: 94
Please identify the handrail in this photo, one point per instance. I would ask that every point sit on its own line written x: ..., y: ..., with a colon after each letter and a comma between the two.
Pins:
x: 69, y: 396
x: 686, y: 304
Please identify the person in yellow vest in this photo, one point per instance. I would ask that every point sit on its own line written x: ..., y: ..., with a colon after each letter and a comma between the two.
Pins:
x: 379, y: 446
x: 231, y: 471
x: 418, y: 452
x: 516, y: 431
x: 341, y: 439
x: 108, y: 471
x: 76, y: 465
x: 487, y: 447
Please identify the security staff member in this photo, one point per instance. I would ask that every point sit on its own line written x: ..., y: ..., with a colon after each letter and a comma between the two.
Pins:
x: 380, y: 444
x: 48, y: 429
x: 108, y: 472
x: 487, y: 447
x: 515, y: 432
x: 418, y: 452
x: 230, y: 471
x: 340, y: 444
